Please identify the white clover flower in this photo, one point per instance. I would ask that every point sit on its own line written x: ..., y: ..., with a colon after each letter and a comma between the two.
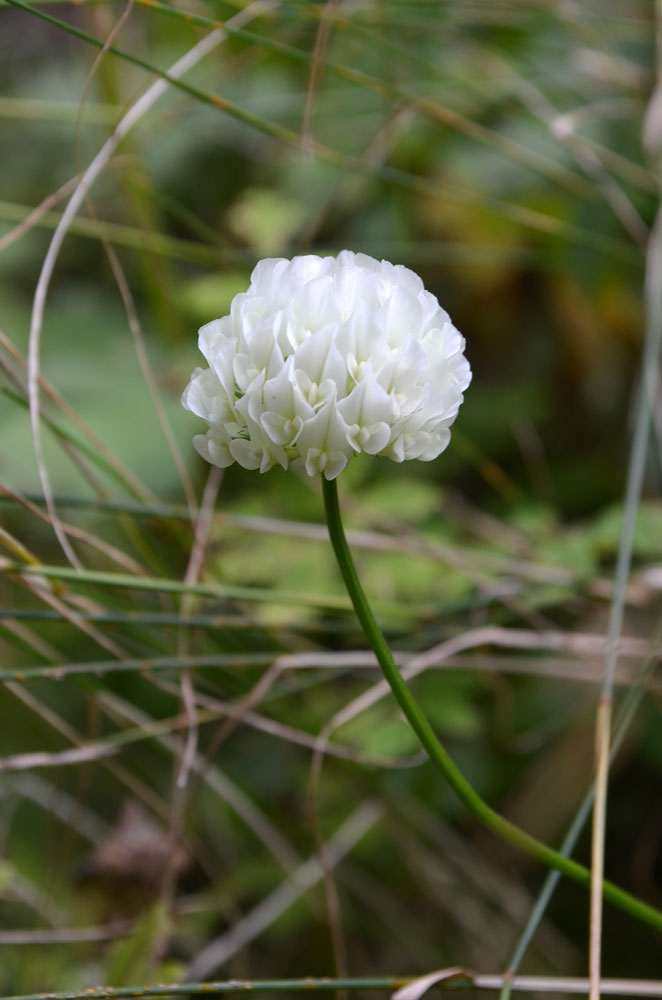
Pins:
x: 323, y: 358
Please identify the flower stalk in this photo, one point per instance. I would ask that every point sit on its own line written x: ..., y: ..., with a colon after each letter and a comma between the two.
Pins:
x: 435, y: 750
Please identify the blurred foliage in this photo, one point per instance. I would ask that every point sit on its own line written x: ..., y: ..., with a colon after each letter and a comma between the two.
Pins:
x: 493, y: 147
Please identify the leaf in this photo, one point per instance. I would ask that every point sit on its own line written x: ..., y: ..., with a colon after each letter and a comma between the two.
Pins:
x: 390, y: 738
x: 266, y: 219
x: 413, y: 500
x: 647, y: 535
x: 209, y: 297
x: 417, y: 987
x: 131, y: 959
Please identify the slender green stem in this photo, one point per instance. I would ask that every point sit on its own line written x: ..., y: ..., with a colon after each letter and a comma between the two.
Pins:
x: 436, y: 752
x: 167, y: 586
x: 305, y: 985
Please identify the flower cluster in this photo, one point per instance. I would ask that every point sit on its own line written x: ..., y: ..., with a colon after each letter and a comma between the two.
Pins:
x: 323, y: 358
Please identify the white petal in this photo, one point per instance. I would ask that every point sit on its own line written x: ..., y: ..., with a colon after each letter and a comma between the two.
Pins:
x: 213, y: 450
x: 400, y: 315
x: 246, y: 453
x: 283, y: 431
x: 221, y: 363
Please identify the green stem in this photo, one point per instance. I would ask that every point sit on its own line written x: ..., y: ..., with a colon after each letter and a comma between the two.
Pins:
x: 305, y: 985
x: 436, y: 752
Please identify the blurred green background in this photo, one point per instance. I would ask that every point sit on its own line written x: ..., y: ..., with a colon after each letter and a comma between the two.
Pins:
x: 496, y: 149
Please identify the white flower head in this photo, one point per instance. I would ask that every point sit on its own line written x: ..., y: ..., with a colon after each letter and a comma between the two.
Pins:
x: 323, y: 358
